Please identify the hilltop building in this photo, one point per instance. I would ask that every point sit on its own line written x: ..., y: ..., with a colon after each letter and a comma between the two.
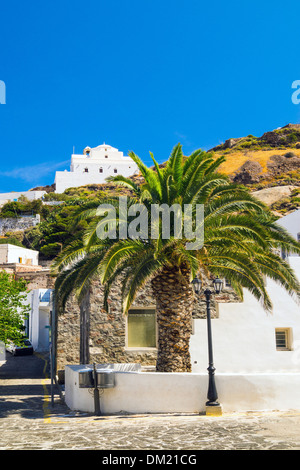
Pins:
x: 93, y: 167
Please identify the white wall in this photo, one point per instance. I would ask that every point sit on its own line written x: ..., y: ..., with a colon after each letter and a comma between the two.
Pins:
x: 33, y: 298
x: 154, y: 392
x: 2, y: 353
x: 244, y: 334
x: 104, y: 156
x: 12, y: 196
x: 12, y: 254
x: 39, y: 319
x: 291, y: 223
x: 66, y: 179
x: 140, y: 392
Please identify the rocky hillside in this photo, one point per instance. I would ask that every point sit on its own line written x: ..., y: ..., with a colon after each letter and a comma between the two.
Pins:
x: 269, y: 165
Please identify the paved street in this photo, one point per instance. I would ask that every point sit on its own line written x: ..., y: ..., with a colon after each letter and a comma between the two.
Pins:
x: 29, y: 422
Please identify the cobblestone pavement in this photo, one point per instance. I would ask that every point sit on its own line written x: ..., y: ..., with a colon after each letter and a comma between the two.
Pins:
x: 29, y: 422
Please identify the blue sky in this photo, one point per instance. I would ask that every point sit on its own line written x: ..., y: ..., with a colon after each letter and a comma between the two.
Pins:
x: 141, y: 76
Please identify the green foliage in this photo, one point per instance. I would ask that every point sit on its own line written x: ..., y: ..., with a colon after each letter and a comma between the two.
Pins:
x: 290, y: 155
x: 55, y: 197
x: 287, y: 204
x: 13, y: 310
x: 58, y: 229
x: 11, y: 241
x: 21, y: 207
x: 239, y: 243
x: 51, y: 249
x: 59, y: 225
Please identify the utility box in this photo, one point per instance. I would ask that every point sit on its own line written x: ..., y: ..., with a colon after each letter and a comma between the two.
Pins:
x: 105, y: 378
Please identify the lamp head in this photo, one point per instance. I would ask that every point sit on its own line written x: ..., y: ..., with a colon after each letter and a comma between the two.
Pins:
x: 218, y: 284
x: 197, y: 284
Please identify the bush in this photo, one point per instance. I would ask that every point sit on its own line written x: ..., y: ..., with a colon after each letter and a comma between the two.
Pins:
x: 51, y: 250
x: 290, y: 155
x: 11, y: 241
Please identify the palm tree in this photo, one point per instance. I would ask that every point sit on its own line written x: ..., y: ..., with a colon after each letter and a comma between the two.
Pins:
x: 240, y: 243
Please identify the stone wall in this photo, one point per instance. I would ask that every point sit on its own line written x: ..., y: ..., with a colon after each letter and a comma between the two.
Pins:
x: 68, y: 337
x: 107, y: 330
x: 37, y: 280
x: 12, y: 224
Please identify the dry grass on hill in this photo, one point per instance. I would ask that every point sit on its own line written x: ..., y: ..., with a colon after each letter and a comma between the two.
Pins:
x: 235, y: 159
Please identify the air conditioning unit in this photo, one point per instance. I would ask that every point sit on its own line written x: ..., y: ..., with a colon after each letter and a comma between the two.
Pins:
x: 105, y: 378
x: 85, y: 378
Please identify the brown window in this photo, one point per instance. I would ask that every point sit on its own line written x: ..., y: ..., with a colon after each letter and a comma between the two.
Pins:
x: 283, y: 339
x: 141, y: 328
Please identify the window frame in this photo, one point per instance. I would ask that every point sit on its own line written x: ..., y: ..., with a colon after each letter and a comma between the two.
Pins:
x: 141, y: 348
x: 288, y: 339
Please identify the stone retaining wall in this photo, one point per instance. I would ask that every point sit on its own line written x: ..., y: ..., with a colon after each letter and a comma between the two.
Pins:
x: 11, y: 224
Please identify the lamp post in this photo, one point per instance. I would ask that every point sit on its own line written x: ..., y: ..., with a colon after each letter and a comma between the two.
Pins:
x: 212, y: 395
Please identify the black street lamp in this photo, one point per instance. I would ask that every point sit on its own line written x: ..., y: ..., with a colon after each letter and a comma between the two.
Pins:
x: 212, y: 394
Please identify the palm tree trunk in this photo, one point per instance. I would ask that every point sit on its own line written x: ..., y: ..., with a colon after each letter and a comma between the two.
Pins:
x: 174, y: 301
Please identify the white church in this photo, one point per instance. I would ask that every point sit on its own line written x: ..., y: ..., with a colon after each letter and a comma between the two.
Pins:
x: 94, y: 166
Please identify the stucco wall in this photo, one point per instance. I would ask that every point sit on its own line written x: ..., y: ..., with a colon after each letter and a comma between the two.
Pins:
x: 291, y: 222
x: 66, y: 179
x: 244, y: 334
x: 148, y: 392
x: 12, y: 254
x: 12, y: 196
x: 105, y: 157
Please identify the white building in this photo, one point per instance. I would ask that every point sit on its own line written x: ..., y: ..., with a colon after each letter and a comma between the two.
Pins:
x: 12, y: 254
x: 93, y: 167
x: 256, y: 356
x: 14, y: 196
x: 16, y: 259
x: 38, y: 326
x: 246, y: 339
x: 291, y: 223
